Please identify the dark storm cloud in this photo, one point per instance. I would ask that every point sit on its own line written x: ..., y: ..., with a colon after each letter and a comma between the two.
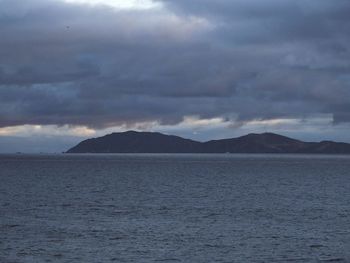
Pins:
x: 75, y: 64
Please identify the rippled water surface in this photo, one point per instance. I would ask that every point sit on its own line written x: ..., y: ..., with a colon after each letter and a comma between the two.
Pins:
x: 174, y: 208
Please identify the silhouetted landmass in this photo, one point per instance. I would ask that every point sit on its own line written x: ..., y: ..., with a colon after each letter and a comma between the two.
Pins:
x: 149, y: 142
x: 137, y: 142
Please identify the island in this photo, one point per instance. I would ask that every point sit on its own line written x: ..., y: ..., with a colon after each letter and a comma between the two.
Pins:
x: 154, y: 142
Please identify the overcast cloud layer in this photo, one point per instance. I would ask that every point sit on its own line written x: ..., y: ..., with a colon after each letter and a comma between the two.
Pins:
x: 239, y: 60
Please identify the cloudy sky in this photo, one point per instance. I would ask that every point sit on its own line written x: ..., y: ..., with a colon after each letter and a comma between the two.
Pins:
x: 72, y: 69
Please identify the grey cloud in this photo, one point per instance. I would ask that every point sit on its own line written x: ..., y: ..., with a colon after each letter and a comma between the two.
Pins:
x: 79, y: 65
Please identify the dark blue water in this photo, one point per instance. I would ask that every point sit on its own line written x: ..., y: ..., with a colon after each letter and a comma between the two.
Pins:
x: 174, y: 208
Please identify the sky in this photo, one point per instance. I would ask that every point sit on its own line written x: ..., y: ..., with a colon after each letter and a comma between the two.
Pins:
x: 202, y: 69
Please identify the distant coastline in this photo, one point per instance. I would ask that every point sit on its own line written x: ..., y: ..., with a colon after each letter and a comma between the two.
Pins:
x: 152, y: 142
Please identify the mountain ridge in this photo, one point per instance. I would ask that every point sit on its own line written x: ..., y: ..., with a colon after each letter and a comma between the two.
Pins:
x: 155, y: 142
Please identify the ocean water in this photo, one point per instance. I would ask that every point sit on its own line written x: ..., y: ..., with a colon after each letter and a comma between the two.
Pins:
x: 174, y: 208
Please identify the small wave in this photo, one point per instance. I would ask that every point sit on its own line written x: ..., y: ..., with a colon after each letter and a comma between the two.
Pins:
x: 333, y: 260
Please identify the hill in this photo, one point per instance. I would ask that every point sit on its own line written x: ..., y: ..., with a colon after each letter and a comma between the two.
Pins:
x: 150, y: 142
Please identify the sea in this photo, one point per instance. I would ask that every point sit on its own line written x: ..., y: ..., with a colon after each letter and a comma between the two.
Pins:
x: 174, y: 208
